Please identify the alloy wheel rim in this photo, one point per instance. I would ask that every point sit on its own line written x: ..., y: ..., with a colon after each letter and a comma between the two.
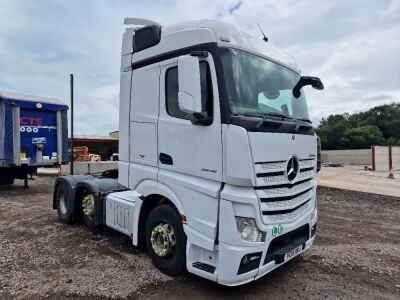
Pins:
x: 163, y: 240
x: 88, y: 205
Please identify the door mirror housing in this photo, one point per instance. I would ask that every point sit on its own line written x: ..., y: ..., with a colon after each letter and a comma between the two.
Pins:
x: 315, y: 82
x: 189, y: 93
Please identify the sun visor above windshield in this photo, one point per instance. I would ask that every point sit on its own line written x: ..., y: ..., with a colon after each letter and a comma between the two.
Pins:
x: 229, y: 36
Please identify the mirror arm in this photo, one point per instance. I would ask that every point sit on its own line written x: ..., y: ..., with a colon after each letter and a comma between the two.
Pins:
x: 203, y: 122
x: 199, y: 119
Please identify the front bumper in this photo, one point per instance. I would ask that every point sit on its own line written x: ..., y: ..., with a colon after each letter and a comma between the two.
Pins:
x: 231, y: 249
x: 230, y: 258
x: 224, y: 263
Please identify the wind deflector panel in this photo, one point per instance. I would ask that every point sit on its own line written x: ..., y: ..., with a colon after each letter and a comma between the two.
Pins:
x: 146, y: 37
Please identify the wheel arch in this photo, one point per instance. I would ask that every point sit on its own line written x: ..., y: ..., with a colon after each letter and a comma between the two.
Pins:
x: 152, y: 187
x: 155, y: 194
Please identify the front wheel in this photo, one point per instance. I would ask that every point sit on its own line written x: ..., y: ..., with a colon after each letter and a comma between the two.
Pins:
x: 166, y: 240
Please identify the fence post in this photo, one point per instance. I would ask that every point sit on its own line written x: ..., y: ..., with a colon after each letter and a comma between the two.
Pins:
x: 373, y: 157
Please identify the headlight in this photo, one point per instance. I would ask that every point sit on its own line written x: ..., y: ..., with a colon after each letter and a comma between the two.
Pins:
x: 248, y: 230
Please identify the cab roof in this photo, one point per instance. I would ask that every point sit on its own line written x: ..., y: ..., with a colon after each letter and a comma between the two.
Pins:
x: 185, y: 34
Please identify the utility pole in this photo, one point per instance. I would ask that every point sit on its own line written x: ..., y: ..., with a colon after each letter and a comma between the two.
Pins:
x: 72, y: 125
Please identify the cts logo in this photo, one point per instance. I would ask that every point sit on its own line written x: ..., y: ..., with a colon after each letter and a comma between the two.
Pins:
x: 30, y: 121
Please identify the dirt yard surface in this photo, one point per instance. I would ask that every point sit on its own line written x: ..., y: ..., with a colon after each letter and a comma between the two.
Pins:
x: 356, y: 255
x: 355, y: 178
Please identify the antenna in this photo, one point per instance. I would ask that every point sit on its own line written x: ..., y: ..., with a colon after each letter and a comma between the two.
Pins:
x: 265, y: 37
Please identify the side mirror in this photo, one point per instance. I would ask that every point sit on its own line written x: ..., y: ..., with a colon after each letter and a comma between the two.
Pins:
x: 315, y: 82
x: 189, y: 94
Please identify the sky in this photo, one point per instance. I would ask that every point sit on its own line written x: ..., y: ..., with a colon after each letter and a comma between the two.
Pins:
x: 353, y: 46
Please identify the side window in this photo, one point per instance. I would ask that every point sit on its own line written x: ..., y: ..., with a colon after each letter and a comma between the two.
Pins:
x: 171, y: 92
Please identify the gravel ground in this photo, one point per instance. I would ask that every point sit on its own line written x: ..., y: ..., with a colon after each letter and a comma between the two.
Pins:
x: 356, y: 255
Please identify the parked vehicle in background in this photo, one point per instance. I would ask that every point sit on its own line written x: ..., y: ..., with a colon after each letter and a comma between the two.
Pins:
x: 33, y: 133
x: 114, y: 157
x: 217, y: 155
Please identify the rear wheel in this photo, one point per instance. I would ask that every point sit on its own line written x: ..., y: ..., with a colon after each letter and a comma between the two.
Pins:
x: 166, y: 240
x: 88, y: 209
x: 6, y: 180
x: 63, y: 204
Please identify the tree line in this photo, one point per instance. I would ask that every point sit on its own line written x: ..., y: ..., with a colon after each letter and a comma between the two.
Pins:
x: 378, y: 126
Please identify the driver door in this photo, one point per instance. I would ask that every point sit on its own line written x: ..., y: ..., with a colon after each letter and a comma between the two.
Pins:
x: 182, y: 146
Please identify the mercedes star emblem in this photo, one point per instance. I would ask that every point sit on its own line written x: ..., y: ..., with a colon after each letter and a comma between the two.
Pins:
x: 292, y: 168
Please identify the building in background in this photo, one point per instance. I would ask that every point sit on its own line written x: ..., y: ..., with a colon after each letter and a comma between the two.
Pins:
x: 105, y: 146
x: 114, y: 134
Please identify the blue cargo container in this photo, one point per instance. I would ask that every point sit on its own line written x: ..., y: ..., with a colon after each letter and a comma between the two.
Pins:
x: 33, y: 133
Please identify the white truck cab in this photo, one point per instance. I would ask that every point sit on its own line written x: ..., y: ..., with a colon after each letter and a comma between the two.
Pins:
x: 217, y: 155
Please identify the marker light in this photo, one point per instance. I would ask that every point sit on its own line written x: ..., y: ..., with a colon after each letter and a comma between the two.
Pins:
x: 315, y: 211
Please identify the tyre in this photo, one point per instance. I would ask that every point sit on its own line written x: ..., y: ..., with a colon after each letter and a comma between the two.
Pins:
x: 166, y: 240
x: 6, y: 181
x: 63, y: 204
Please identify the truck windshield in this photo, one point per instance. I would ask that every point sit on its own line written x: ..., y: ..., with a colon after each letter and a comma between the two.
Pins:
x: 257, y: 87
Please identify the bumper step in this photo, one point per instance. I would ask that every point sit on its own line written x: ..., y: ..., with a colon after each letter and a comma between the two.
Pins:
x: 204, y: 267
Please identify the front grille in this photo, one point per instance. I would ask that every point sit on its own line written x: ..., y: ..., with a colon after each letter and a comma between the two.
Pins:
x: 270, y: 166
x: 284, y: 211
x: 281, y: 200
x: 286, y: 201
x: 274, y: 173
x: 287, y: 216
x: 309, y: 162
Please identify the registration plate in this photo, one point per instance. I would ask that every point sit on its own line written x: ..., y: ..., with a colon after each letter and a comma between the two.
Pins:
x: 292, y: 253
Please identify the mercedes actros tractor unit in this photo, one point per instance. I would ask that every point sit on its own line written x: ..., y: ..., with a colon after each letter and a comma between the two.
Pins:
x: 217, y: 154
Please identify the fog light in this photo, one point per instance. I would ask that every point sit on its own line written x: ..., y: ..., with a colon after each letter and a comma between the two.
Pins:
x: 313, y: 229
x: 245, y: 260
x: 249, y: 262
x: 248, y: 230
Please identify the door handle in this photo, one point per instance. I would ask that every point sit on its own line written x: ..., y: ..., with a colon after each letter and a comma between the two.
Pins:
x: 166, y: 159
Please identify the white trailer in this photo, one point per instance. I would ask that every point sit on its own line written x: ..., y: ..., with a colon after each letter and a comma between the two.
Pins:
x: 217, y: 155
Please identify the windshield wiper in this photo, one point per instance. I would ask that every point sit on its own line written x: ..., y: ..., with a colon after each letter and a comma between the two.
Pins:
x: 271, y: 114
x: 302, y: 125
x: 304, y: 120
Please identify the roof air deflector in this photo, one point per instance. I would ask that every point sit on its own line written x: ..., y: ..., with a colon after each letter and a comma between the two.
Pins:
x: 140, y: 22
